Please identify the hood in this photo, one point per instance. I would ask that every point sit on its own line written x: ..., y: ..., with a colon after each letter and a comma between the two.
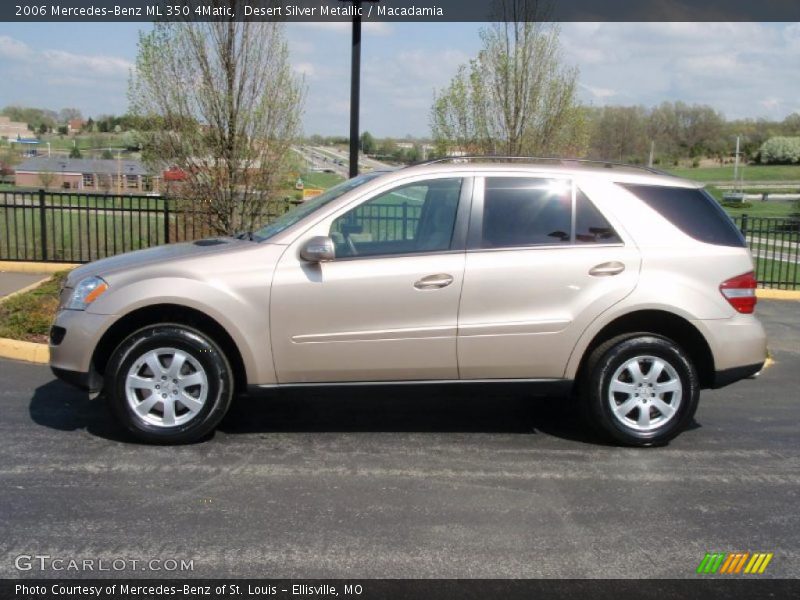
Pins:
x: 158, y: 255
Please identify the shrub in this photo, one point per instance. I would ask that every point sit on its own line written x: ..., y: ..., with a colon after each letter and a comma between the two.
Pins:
x: 780, y: 151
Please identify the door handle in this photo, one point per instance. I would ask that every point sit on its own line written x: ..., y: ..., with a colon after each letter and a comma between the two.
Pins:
x: 607, y: 268
x: 433, y: 282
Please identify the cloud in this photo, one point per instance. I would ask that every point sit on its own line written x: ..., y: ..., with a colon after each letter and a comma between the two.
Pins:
x: 97, y: 65
x: 741, y: 69
x: 50, y: 78
x: 305, y: 68
x: 14, y: 49
x: 599, y: 92
x: 61, y: 62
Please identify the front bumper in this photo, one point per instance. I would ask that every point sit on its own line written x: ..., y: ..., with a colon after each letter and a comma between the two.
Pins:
x: 91, y: 382
x: 74, y: 337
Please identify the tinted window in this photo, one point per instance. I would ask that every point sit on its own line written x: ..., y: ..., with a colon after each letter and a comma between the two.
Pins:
x: 413, y: 218
x: 591, y: 227
x: 521, y: 211
x: 692, y: 211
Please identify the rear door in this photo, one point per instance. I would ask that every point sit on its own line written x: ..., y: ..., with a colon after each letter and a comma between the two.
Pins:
x: 542, y: 263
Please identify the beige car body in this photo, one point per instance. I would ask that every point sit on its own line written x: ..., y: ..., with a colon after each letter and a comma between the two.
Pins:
x: 525, y: 313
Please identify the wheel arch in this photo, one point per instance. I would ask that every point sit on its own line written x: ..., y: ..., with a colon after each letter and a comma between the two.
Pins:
x: 659, y: 322
x: 155, y: 314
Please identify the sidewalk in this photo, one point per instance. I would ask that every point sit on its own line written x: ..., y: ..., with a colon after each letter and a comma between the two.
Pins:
x: 14, y: 282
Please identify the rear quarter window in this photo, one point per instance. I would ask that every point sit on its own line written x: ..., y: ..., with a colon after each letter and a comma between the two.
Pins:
x: 691, y: 210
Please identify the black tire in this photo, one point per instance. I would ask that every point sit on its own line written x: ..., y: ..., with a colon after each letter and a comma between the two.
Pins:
x: 596, y: 396
x: 201, y: 351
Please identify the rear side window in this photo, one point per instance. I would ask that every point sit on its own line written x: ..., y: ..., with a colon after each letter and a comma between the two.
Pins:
x: 692, y: 211
x: 521, y: 211
x: 591, y: 227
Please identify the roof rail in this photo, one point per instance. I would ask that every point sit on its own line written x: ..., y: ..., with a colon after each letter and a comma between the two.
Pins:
x: 564, y: 162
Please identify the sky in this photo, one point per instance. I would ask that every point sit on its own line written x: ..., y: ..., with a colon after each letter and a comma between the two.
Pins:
x: 741, y: 69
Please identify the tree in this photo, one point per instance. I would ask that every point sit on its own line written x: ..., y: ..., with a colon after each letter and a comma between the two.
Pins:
x: 65, y: 115
x: 619, y: 133
x: 46, y: 178
x: 107, y: 155
x: 516, y: 97
x: 367, y: 143
x: 230, y: 106
x: 781, y: 151
x: 75, y: 152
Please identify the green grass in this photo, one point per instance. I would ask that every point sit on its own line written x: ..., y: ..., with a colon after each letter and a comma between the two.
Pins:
x: 749, y: 173
x: 315, y: 179
x: 99, y: 141
x: 28, y: 316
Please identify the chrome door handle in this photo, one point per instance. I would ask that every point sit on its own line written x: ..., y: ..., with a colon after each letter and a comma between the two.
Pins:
x: 607, y: 268
x: 433, y: 282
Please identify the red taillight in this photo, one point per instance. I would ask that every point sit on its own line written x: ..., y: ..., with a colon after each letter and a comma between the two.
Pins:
x: 740, y: 292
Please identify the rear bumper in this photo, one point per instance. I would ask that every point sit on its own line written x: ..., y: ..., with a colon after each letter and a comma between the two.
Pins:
x: 732, y: 375
x: 738, y: 346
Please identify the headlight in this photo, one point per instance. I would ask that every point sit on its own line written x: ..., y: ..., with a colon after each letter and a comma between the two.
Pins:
x: 87, y: 291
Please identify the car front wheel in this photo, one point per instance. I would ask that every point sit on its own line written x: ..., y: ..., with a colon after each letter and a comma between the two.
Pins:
x: 169, y: 384
x: 641, y: 389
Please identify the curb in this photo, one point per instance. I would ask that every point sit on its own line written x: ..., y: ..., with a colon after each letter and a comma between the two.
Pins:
x: 27, y: 351
x: 769, y: 294
x: 11, y: 266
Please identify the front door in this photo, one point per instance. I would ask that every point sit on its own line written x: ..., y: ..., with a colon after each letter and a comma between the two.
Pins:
x: 386, y: 308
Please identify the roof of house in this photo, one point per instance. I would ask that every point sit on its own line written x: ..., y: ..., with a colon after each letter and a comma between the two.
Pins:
x: 83, y: 165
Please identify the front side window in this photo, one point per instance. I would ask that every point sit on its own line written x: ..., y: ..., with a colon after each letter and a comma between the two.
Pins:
x: 418, y: 217
x: 298, y: 213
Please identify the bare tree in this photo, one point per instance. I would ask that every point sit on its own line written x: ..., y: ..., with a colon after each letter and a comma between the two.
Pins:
x: 516, y: 97
x: 46, y: 178
x: 230, y: 107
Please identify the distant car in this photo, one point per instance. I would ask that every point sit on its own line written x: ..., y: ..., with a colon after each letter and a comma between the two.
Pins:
x: 629, y: 288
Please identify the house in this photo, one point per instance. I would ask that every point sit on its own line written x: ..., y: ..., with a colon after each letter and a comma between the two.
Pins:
x: 112, y: 176
x: 75, y: 125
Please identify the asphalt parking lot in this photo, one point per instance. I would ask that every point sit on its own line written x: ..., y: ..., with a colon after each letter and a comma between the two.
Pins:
x: 404, y: 484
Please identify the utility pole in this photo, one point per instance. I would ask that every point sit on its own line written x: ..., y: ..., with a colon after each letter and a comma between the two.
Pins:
x: 736, y: 165
x: 652, y: 152
x: 355, y: 85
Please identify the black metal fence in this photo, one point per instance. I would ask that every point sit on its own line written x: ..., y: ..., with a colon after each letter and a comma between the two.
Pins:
x: 775, y: 246
x: 75, y: 228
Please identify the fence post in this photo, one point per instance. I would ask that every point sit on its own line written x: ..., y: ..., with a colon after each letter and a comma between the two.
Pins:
x: 166, y: 220
x: 42, y: 225
x: 744, y: 224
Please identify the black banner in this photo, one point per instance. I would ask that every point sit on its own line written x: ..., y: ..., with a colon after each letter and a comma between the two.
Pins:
x: 399, y: 10
x: 411, y: 589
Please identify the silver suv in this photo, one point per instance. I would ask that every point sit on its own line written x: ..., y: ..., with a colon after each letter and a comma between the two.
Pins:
x: 625, y: 286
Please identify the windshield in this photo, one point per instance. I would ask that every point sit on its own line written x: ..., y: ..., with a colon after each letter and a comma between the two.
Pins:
x: 301, y: 211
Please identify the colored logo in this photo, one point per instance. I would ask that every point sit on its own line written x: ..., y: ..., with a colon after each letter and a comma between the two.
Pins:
x: 734, y: 563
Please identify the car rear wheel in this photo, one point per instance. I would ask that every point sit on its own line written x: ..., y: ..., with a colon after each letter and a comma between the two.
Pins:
x: 640, y: 389
x: 169, y: 384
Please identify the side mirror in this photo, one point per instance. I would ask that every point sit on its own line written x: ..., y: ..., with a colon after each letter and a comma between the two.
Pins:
x: 318, y: 249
